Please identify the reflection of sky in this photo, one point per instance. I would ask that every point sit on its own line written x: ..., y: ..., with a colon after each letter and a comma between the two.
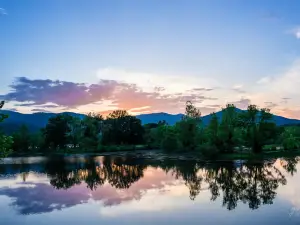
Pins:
x: 157, y: 198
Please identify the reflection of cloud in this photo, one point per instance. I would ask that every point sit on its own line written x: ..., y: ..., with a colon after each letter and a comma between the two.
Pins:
x: 152, y: 179
x: 153, y: 201
x: 291, y: 192
x: 43, y: 198
x: 33, y: 197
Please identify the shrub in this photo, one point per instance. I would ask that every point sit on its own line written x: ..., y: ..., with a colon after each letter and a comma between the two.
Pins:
x: 208, y: 151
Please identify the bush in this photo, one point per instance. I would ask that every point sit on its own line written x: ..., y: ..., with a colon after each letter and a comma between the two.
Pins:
x: 208, y: 151
x: 170, y: 142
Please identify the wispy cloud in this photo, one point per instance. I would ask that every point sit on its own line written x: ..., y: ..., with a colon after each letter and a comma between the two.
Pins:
x: 264, y: 80
x: 12, y: 109
x: 40, y: 110
x: 242, y: 103
x: 270, y: 105
x: 3, y: 11
x: 239, y: 88
x: 296, y: 32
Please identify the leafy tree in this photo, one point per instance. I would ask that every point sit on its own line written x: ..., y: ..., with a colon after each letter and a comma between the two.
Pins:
x: 92, y: 126
x: 258, y: 125
x: 290, y: 138
x: 170, y: 140
x: 21, y: 139
x: 192, y: 112
x: 122, y: 128
x: 227, y: 127
x: 188, y: 127
x: 37, y: 141
x: 5, y: 141
x: 56, y: 131
x: 213, y: 130
x: 75, y: 131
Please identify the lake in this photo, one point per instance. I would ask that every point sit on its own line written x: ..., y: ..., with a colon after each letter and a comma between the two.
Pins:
x: 148, y: 189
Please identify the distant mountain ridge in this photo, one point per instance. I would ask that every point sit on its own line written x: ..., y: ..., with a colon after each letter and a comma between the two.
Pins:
x: 35, y: 121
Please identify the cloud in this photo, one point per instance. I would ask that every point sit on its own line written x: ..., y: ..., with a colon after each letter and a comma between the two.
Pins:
x: 290, y: 113
x: 3, y: 11
x: 296, y: 32
x: 270, y: 105
x: 202, y: 89
x: 56, y: 93
x: 264, y: 80
x: 285, y: 100
x: 148, y: 81
x: 40, y: 110
x: 242, y: 103
x: 238, y: 88
x: 159, y: 89
x: 12, y: 109
x: 283, y: 85
x: 43, y: 106
x: 214, y: 106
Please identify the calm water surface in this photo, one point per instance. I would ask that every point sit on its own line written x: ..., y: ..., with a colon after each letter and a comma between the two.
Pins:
x: 148, y: 190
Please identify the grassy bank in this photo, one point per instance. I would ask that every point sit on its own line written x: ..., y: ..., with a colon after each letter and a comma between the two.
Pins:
x: 69, y: 151
x: 250, y: 155
x: 113, y: 149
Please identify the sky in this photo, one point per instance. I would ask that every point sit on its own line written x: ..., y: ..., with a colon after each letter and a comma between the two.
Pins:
x: 149, y: 55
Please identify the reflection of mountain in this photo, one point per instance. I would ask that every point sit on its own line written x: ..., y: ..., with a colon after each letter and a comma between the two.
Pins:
x: 115, y: 180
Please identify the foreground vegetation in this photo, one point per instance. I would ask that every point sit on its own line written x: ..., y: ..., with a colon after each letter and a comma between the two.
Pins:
x: 244, y: 132
x: 5, y: 141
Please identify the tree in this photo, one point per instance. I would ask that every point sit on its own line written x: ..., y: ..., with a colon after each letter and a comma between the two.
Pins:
x: 259, y: 127
x: 56, y: 131
x: 122, y: 128
x: 5, y: 141
x: 92, y: 126
x: 21, y: 139
x: 290, y: 138
x: 188, y: 127
x: 75, y: 131
x: 37, y: 141
x: 227, y: 127
x: 192, y: 112
x: 170, y: 140
x: 213, y: 130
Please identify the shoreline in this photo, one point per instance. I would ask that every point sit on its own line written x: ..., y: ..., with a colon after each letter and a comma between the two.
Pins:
x: 158, y: 153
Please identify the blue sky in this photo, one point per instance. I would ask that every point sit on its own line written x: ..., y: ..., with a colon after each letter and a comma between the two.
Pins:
x: 157, y: 53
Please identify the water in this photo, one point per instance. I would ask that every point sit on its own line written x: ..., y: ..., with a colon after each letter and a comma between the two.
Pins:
x: 148, y: 189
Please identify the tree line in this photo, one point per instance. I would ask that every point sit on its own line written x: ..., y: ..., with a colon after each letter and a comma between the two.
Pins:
x: 250, y: 130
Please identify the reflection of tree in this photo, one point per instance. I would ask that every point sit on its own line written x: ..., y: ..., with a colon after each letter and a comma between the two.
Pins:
x: 116, y: 173
x: 251, y: 183
x: 289, y: 164
x: 188, y: 172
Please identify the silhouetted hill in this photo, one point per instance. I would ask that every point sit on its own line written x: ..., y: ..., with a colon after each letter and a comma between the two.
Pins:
x: 156, y: 117
x: 36, y: 121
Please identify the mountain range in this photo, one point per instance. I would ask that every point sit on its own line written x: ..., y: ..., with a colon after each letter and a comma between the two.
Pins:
x: 35, y: 121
